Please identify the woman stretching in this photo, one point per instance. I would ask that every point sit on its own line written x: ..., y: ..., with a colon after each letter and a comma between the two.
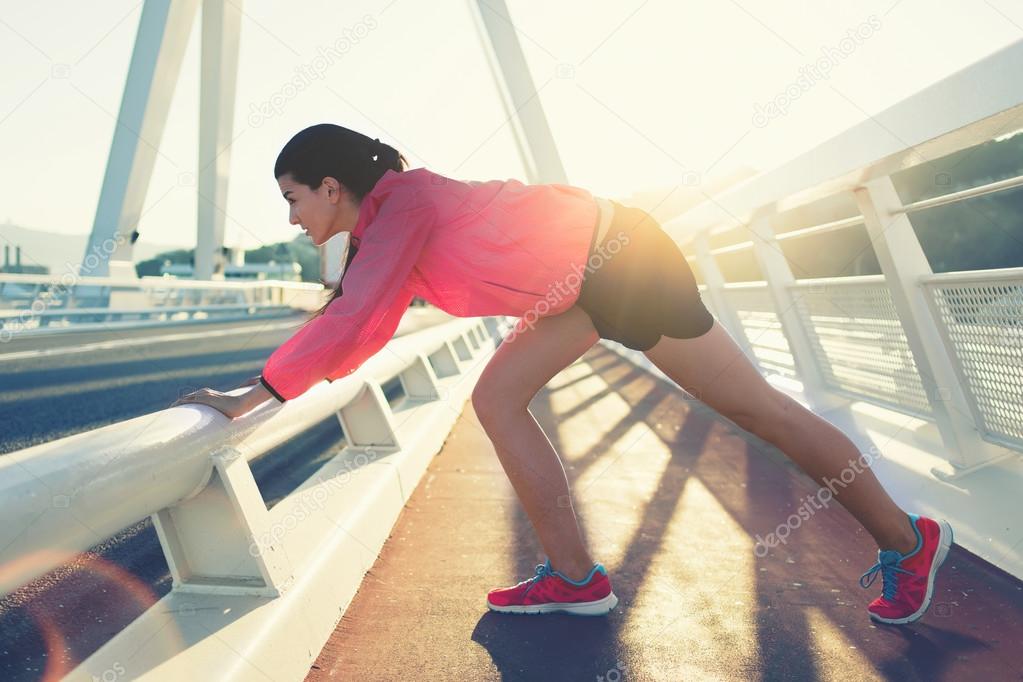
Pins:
x: 575, y: 268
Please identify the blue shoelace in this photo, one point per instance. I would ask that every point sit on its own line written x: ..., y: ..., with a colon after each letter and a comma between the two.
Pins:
x: 887, y: 566
x: 541, y: 571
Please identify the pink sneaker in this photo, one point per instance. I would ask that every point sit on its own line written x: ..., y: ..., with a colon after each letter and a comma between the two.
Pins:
x: 908, y: 579
x: 549, y: 591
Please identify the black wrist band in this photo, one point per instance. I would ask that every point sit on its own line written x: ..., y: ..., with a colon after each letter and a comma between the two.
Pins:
x: 270, y: 388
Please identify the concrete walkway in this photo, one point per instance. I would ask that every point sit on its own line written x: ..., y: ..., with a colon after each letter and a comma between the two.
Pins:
x: 672, y: 498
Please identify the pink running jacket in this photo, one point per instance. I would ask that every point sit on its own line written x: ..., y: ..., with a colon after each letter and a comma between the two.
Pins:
x: 470, y: 248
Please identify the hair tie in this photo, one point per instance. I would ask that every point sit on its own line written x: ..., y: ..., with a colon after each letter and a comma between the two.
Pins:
x: 377, y: 147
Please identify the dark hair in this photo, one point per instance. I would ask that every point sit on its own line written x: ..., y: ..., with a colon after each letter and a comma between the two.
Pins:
x: 353, y: 159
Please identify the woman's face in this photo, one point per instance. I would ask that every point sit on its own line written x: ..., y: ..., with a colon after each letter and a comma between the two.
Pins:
x: 322, y: 212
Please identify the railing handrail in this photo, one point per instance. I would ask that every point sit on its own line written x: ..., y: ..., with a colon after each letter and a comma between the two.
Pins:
x: 1004, y: 185
x: 973, y: 275
x: 821, y: 228
x: 745, y: 285
x: 938, y: 277
x: 850, y: 280
x: 153, y: 282
x: 72, y: 312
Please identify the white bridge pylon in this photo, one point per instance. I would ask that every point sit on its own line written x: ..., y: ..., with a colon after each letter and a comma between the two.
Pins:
x: 163, y: 34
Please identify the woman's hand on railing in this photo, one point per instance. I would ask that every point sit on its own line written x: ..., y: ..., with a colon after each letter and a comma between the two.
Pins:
x: 230, y: 406
x: 251, y: 381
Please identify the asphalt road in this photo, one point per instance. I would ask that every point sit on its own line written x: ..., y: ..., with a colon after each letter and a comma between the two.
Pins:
x: 55, y: 386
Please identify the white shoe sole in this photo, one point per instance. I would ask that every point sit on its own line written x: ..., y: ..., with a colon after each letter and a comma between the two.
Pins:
x: 599, y: 607
x: 945, y: 540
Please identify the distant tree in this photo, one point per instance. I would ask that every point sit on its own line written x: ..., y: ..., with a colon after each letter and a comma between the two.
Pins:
x: 300, y: 250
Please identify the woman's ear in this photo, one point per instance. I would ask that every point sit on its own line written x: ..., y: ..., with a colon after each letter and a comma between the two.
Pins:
x: 333, y: 188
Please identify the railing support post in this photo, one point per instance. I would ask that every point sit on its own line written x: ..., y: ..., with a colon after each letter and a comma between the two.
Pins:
x: 218, y: 540
x: 715, y: 282
x: 366, y: 420
x: 445, y: 361
x: 419, y: 380
x: 779, y: 277
x: 462, y: 348
x: 904, y: 263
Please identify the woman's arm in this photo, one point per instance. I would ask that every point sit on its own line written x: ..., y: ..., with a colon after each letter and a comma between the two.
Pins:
x: 358, y: 323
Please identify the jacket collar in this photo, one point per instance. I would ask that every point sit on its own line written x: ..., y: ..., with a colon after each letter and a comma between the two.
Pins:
x: 370, y: 204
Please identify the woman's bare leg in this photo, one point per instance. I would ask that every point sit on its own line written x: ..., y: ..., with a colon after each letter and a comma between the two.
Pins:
x: 520, y: 367
x: 713, y: 369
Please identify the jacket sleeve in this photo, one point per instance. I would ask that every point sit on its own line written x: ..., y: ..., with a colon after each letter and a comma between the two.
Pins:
x: 362, y: 320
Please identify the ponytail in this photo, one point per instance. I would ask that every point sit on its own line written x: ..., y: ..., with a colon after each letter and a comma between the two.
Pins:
x: 353, y: 159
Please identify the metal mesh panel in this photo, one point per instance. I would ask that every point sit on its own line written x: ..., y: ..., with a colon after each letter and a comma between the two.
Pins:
x: 755, y: 310
x: 859, y: 343
x: 982, y: 322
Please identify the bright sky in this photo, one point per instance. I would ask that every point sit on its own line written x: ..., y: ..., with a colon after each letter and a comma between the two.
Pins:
x: 636, y: 92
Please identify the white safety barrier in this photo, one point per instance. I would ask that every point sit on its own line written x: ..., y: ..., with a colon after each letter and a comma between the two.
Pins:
x: 256, y: 593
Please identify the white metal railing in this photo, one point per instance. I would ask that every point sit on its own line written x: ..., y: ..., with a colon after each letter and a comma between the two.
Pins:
x: 62, y: 318
x: 187, y: 468
x: 39, y: 283
x: 752, y: 305
x: 945, y: 347
x: 858, y: 341
x: 45, y: 302
x: 980, y: 318
x: 970, y: 193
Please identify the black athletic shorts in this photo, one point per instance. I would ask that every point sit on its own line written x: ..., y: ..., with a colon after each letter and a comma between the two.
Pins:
x: 639, y: 286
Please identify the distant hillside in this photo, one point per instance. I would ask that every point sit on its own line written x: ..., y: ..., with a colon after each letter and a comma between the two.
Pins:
x: 54, y: 250
x: 980, y: 233
x: 299, y: 250
x: 983, y: 232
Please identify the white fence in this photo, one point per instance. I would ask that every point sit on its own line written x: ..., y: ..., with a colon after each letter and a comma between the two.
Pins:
x: 44, y: 303
x: 253, y: 590
x: 945, y: 347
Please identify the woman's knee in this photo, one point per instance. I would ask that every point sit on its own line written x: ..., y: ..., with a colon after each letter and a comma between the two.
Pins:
x: 767, y: 415
x: 490, y: 402
x: 481, y: 402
